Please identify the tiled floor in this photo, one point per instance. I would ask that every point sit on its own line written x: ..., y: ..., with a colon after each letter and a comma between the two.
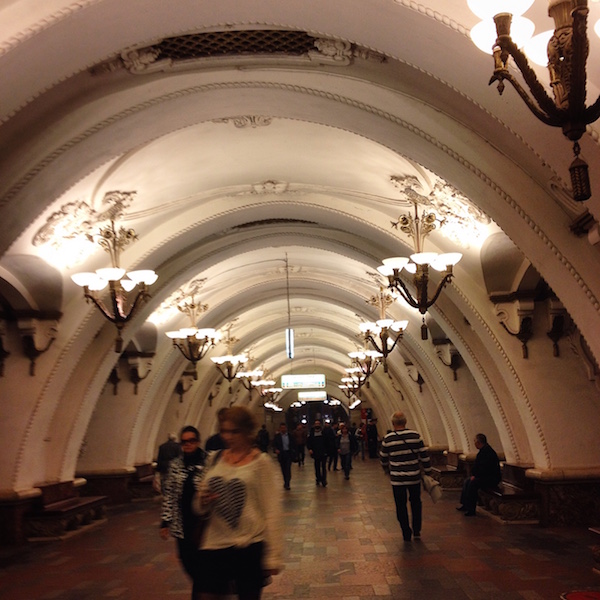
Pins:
x: 342, y: 542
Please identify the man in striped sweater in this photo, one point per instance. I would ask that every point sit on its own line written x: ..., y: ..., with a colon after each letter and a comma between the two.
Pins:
x: 403, y: 453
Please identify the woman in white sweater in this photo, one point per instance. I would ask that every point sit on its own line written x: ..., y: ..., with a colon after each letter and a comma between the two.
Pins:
x: 241, y: 544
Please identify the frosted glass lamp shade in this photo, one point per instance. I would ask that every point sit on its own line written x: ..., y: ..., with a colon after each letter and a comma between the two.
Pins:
x: 127, y: 284
x: 486, y: 9
x: 484, y: 34
x: 385, y: 323
x: 399, y: 325
x: 84, y: 279
x: 111, y: 273
x: 385, y: 270
x: 396, y: 262
x: 422, y: 258
x: 143, y: 276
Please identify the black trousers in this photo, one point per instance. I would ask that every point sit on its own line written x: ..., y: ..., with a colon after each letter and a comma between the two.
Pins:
x: 285, y: 463
x: 321, y: 469
x: 188, y: 556
x: 469, y: 494
x: 412, y: 493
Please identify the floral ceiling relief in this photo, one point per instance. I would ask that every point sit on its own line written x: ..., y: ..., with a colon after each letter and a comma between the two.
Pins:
x: 175, y: 304
x: 457, y: 217
x: 67, y: 237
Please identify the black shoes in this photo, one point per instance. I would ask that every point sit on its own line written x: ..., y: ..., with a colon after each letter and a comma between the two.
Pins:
x: 470, y: 513
x: 461, y: 508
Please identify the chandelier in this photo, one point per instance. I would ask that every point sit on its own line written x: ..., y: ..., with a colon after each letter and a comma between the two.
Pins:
x: 568, y: 50
x: 229, y: 364
x: 388, y: 331
x: 367, y: 361
x: 121, y: 308
x: 192, y: 342
x: 249, y: 379
x: 351, y: 384
x: 418, y: 228
x: 289, y: 332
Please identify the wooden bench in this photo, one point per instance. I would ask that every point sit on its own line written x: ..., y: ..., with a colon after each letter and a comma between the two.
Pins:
x: 514, y: 499
x: 60, y: 511
x: 141, y: 484
x: 451, y: 474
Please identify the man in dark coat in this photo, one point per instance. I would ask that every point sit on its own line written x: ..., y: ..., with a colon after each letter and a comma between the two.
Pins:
x: 320, y: 444
x: 484, y: 474
x: 285, y: 450
x: 166, y: 453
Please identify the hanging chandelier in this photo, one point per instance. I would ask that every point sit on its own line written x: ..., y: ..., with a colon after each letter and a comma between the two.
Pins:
x: 418, y: 228
x: 192, y: 342
x: 121, y: 308
x: 351, y: 384
x: 289, y: 332
x: 248, y: 379
x: 229, y: 364
x: 567, y: 53
x: 367, y: 361
x: 388, y: 331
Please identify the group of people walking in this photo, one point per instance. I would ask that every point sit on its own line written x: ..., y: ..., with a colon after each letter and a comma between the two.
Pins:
x: 224, y: 510
x: 223, y: 507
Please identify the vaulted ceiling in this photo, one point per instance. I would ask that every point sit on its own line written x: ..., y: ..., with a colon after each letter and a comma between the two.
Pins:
x: 252, y: 132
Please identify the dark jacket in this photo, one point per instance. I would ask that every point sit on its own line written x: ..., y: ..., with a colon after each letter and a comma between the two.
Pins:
x: 166, y: 453
x: 321, y: 445
x: 278, y: 445
x: 486, y: 469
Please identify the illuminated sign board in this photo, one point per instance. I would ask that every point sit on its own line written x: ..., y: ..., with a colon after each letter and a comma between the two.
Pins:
x: 299, y: 382
x: 306, y: 396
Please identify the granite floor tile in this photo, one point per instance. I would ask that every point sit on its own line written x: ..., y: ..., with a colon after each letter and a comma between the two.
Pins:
x: 340, y: 542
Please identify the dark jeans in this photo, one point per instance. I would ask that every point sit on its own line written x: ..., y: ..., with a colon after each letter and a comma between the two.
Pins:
x: 285, y: 462
x: 413, y: 494
x: 346, y: 463
x: 333, y: 460
x: 188, y: 555
x: 300, y: 450
x: 321, y: 469
x: 469, y: 494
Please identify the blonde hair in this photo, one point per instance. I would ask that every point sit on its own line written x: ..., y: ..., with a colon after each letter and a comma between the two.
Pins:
x: 242, y: 418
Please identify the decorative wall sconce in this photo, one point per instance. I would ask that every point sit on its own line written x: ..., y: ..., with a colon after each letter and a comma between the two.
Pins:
x: 418, y: 228
x: 351, y: 384
x: 229, y: 364
x: 388, y: 331
x: 568, y: 50
x: 249, y: 379
x: 192, y: 342
x: 33, y: 332
x: 367, y: 361
x: 121, y: 309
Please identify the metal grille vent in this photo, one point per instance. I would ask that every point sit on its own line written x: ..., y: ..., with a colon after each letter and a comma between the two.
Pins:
x: 251, y: 224
x: 224, y: 43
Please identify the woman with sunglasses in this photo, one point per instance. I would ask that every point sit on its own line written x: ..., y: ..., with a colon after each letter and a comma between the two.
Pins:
x: 177, y: 518
x: 242, y: 543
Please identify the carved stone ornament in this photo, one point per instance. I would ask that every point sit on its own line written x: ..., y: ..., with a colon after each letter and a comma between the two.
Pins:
x: 517, y: 318
x: 455, y: 214
x: 242, y: 122
x: 69, y: 230
x: 169, y: 308
x: 270, y: 187
x: 341, y: 53
x: 37, y: 336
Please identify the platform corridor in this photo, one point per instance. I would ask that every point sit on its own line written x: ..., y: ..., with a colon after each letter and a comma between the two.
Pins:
x: 341, y: 542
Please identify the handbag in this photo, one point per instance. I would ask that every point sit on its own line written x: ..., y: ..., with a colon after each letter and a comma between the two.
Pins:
x: 432, y: 487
